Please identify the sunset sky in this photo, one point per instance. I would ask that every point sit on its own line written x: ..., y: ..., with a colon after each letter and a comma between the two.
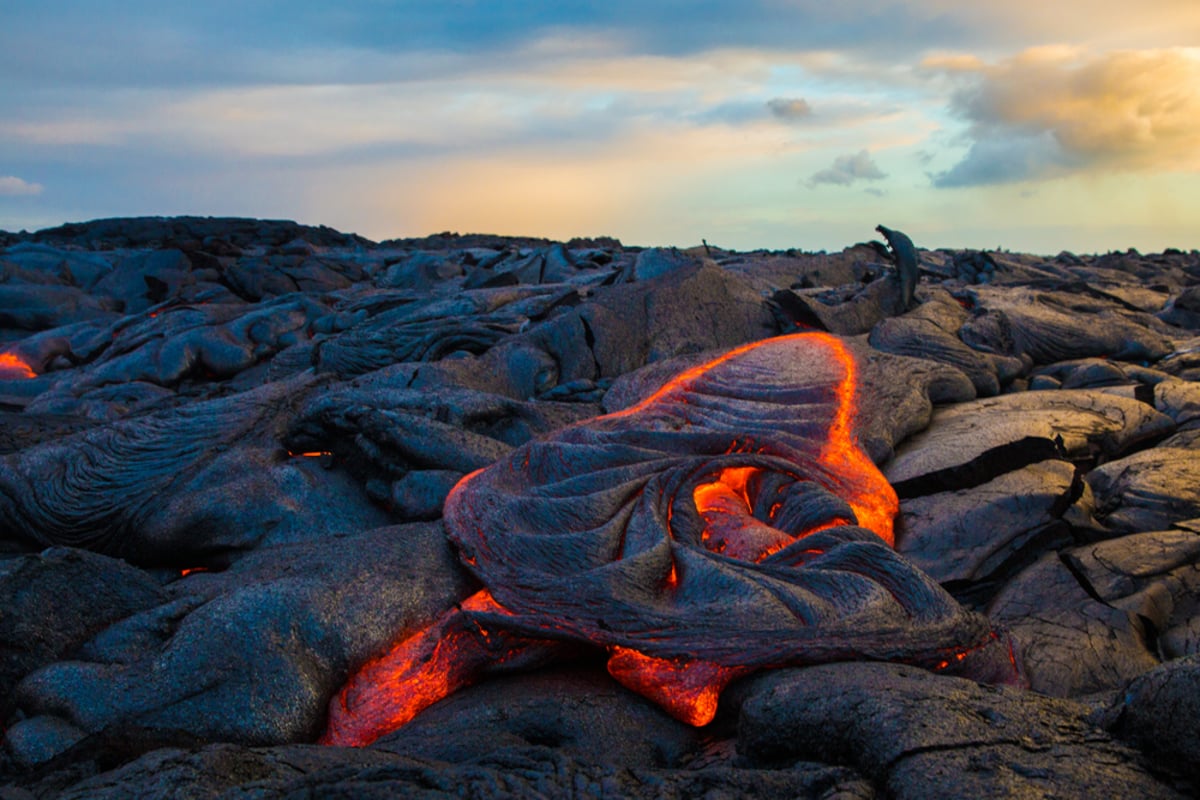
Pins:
x: 1035, y: 125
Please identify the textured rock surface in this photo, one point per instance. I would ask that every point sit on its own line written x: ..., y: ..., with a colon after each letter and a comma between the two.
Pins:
x: 1158, y: 712
x: 250, y: 654
x: 969, y: 443
x: 970, y: 534
x: 280, y: 411
x: 1148, y: 490
x: 919, y: 735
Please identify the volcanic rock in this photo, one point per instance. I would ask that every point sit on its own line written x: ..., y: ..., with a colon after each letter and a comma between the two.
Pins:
x: 251, y: 415
x: 970, y: 443
x: 185, y: 487
x: 58, y: 599
x: 1054, y: 326
x: 930, y: 331
x: 969, y: 534
x: 249, y: 654
x: 1072, y: 640
x: 1148, y: 490
x: 657, y: 261
x: 1158, y: 712
x: 918, y: 735
x: 305, y: 771
x: 578, y: 711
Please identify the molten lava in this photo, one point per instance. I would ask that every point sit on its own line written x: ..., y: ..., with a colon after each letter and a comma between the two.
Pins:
x: 868, y: 492
x: 13, y: 367
x: 419, y: 670
x: 687, y: 689
x: 515, y: 526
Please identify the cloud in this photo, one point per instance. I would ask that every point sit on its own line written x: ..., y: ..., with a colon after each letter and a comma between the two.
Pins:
x: 1052, y: 111
x: 848, y: 169
x: 790, y: 108
x: 11, y: 186
x: 996, y: 158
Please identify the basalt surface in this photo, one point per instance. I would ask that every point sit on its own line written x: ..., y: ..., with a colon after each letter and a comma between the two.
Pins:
x: 243, y: 461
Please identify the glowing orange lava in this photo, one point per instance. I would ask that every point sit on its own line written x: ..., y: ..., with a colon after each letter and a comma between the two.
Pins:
x: 686, y: 689
x: 416, y: 673
x: 13, y: 367
x: 454, y: 651
x: 870, y: 495
x: 726, y: 503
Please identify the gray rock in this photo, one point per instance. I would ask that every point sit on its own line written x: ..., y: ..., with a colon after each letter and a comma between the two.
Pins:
x: 421, y: 271
x: 1152, y: 575
x: 53, y: 602
x: 1179, y: 400
x: 1070, y: 642
x: 970, y: 443
x: 182, y: 487
x: 1056, y: 326
x: 234, y: 773
x: 1157, y: 712
x: 64, y: 266
x: 655, y: 262
x: 251, y: 654
x: 140, y: 280
x: 1184, y: 361
x: 419, y: 495
x: 930, y: 331
x: 897, y: 394
x: 970, y: 534
x: 904, y: 254
x: 1148, y: 490
x: 920, y: 735
x: 33, y: 742
x: 850, y: 311
x: 582, y: 713
x: 35, y: 308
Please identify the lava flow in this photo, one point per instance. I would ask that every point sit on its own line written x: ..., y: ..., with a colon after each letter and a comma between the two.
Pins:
x: 542, y: 527
x: 13, y: 366
x: 420, y: 670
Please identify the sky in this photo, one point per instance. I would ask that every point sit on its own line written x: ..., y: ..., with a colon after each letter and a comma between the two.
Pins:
x: 1031, y: 125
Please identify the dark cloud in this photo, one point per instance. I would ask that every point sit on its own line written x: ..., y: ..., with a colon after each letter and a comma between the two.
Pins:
x: 148, y: 43
x: 848, y: 169
x: 790, y: 108
x: 1007, y: 157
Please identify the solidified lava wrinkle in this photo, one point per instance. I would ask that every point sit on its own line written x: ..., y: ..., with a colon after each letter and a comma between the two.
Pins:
x: 455, y: 650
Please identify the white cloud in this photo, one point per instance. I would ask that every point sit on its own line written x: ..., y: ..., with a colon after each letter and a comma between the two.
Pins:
x: 848, y: 169
x: 11, y: 186
x: 1049, y: 111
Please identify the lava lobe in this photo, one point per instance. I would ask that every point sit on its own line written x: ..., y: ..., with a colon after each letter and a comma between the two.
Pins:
x: 727, y: 523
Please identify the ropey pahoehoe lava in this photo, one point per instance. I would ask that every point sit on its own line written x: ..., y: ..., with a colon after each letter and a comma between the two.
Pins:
x: 727, y: 523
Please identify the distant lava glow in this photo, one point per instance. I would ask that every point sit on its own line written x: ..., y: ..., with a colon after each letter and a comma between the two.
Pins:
x: 14, y: 367
x: 455, y: 650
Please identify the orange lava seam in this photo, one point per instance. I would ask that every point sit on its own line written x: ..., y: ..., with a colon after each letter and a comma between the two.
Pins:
x: 14, y: 364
